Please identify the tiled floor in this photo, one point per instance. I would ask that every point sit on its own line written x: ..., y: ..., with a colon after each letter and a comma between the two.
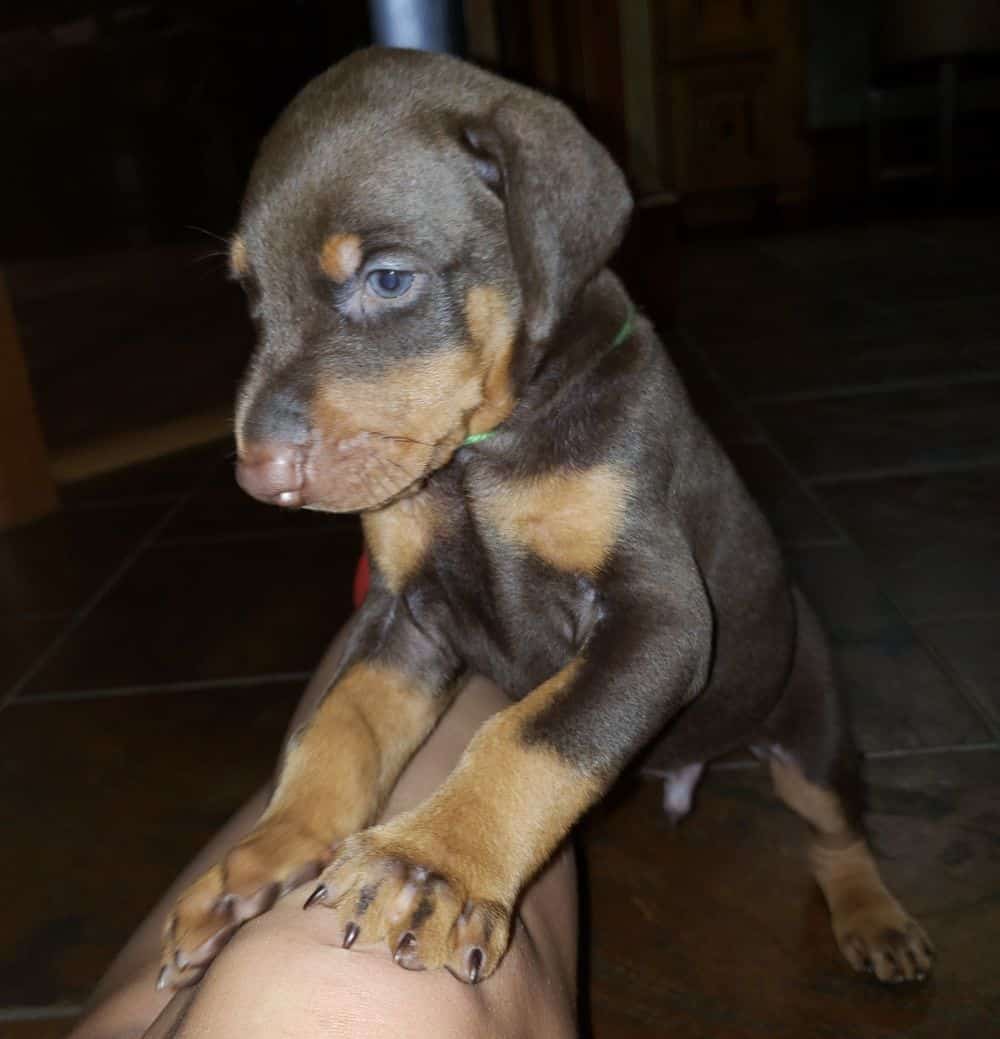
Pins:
x: 154, y: 636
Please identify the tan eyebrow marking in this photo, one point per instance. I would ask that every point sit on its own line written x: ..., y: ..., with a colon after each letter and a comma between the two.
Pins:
x: 340, y: 256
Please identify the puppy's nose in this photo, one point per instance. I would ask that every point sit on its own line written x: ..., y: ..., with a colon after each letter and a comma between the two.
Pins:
x: 272, y: 471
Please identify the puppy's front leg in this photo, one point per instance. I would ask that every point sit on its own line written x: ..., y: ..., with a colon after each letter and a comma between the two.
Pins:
x: 337, y: 769
x: 440, y: 882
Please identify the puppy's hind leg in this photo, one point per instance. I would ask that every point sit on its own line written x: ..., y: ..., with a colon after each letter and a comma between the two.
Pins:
x: 815, y: 772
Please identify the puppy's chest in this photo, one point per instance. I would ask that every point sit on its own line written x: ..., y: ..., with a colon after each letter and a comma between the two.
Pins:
x: 511, y: 564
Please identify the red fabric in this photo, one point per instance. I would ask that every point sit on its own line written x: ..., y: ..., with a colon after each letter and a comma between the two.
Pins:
x: 362, y: 579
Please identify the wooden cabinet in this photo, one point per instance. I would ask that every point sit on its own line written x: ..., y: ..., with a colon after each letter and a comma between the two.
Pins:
x: 728, y: 85
x: 703, y: 99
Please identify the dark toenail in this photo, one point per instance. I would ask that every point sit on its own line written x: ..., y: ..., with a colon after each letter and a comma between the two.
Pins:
x: 350, y: 934
x: 403, y: 945
x: 317, y: 896
x: 475, y: 964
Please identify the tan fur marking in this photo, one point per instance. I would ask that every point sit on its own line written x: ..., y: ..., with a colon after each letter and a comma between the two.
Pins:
x: 238, y: 263
x: 505, y: 807
x: 872, y: 929
x: 398, y: 537
x: 821, y: 808
x: 340, y: 256
x: 393, y: 430
x: 336, y: 775
x: 491, y: 328
x: 571, y: 519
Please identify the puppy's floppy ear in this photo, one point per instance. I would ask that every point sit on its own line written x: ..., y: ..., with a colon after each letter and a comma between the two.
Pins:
x: 567, y: 202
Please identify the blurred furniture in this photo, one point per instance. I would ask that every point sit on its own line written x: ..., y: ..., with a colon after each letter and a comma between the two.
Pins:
x: 26, y: 488
x: 921, y: 42
x: 731, y: 100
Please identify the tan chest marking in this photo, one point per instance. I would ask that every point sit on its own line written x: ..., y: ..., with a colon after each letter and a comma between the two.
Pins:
x: 340, y: 256
x: 571, y: 519
x: 399, y: 536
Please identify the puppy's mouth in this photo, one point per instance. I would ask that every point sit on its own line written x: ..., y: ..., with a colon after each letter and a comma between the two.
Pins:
x: 363, y: 471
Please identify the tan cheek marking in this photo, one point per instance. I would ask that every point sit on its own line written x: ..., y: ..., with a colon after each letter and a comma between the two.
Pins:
x: 569, y: 519
x: 399, y: 537
x: 238, y: 264
x: 340, y: 256
x: 335, y: 777
x: 506, y: 806
x: 423, y: 399
x: 491, y: 328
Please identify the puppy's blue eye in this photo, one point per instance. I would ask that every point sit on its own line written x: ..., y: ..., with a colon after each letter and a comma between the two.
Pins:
x: 389, y: 283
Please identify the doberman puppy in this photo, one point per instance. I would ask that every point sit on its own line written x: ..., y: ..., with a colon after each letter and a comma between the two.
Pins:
x: 442, y: 349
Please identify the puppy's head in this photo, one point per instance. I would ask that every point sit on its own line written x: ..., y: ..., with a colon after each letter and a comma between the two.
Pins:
x: 413, y: 230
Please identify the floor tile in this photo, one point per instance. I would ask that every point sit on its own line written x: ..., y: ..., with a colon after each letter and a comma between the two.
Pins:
x: 714, y: 928
x: 53, y: 1028
x: 222, y: 508
x: 888, y: 264
x: 141, y: 783
x: 179, y: 345
x: 21, y: 641
x: 57, y: 563
x: 971, y: 647
x: 888, y: 350
x: 211, y: 611
x: 795, y: 517
x: 898, y: 694
x: 928, y: 428
x: 165, y: 478
x: 935, y: 540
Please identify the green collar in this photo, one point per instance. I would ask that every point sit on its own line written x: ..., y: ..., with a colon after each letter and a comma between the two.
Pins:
x: 621, y: 336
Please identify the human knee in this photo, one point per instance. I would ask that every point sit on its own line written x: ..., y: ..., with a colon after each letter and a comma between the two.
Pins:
x: 279, y: 976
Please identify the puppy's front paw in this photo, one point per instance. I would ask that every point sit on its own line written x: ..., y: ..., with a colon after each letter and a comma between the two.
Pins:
x: 275, y: 858
x: 878, y: 935
x: 382, y: 886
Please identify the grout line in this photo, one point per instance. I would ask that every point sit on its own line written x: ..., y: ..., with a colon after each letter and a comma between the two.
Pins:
x: 902, y: 472
x: 968, y: 694
x: 182, y: 540
x: 807, y: 543
x: 91, y: 604
x: 958, y: 615
x: 914, y: 752
x: 901, y: 753
x: 49, y: 1012
x: 159, y: 688
x: 967, y: 687
x: 866, y: 389
x: 125, y: 502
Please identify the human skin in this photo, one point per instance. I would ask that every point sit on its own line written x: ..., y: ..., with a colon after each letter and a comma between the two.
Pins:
x: 285, y: 973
